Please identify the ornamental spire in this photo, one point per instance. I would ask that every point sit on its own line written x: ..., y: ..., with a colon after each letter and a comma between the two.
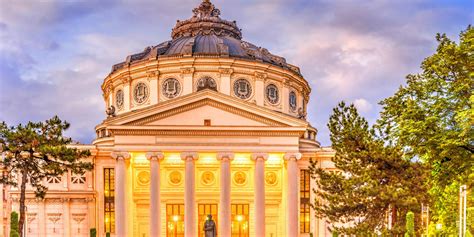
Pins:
x: 206, y: 9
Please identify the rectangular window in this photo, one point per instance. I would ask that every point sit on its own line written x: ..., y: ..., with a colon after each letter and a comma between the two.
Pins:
x: 203, y: 211
x: 175, y: 220
x: 109, y: 200
x: 305, y: 191
x: 240, y: 220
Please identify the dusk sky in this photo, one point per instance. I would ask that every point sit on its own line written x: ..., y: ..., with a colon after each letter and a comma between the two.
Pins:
x: 54, y: 55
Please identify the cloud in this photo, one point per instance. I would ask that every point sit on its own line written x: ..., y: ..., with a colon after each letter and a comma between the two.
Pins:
x: 363, y: 105
x: 54, y: 55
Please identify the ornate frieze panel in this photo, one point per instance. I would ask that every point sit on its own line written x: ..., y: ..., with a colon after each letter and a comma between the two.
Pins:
x: 175, y: 178
x: 240, y: 178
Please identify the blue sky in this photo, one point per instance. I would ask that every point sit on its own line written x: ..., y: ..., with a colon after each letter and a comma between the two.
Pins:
x: 55, y: 54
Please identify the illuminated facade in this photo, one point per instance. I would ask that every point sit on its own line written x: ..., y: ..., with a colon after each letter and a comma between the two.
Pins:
x: 205, y: 123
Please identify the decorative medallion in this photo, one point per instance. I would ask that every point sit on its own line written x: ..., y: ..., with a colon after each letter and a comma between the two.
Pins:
x: 140, y: 93
x: 206, y: 83
x: 272, y: 94
x: 175, y: 177
x: 240, y: 178
x: 143, y: 177
x: 242, y: 89
x: 171, y: 88
x: 292, y: 101
x: 207, y: 178
x: 271, y: 178
x: 119, y: 99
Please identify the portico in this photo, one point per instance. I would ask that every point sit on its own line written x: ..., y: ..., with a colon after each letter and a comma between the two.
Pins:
x: 255, y: 161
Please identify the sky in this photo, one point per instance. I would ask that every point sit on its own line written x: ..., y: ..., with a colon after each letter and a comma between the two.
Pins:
x: 54, y: 54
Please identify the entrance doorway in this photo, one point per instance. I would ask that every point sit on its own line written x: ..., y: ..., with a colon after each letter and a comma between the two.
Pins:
x: 240, y: 220
x: 203, y: 211
x: 175, y: 220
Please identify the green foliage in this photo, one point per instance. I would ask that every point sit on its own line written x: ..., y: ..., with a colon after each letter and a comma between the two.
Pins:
x: 107, y: 234
x: 36, y: 151
x: 470, y: 219
x: 93, y: 232
x: 432, y: 117
x: 14, y: 233
x: 14, y: 229
x: 373, y: 179
x: 410, y: 224
x: 334, y: 234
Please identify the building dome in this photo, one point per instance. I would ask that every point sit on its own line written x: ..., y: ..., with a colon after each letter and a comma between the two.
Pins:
x: 205, y: 33
x: 206, y: 52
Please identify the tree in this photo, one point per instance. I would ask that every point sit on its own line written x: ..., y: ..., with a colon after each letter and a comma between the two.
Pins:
x: 410, y: 224
x: 14, y: 230
x: 432, y: 118
x: 371, y: 181
x: 36, y: 151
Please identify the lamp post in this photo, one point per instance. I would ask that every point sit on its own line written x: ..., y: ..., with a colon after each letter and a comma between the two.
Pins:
x: 462, y: 210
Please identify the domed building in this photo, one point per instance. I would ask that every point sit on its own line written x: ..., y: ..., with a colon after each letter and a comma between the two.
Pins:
x: 203, y: 124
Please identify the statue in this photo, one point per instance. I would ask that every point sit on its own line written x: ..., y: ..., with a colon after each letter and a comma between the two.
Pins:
x: 209, y: 227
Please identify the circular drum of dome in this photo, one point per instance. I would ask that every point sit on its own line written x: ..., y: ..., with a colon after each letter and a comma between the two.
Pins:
x: 272, y: 94
x: 242, y: 89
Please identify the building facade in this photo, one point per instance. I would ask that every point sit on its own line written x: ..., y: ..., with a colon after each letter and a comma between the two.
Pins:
x: 204, y: 123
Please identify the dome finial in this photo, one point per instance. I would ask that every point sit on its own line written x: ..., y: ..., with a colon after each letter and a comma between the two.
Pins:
x: 206, y: 9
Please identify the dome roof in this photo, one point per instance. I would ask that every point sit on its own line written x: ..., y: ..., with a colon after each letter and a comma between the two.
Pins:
x: 205, y: 33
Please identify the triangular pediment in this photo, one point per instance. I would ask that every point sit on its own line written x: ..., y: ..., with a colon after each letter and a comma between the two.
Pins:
x: 216, y: 108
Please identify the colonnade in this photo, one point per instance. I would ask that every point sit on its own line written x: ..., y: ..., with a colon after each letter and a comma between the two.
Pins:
x: 189, y: 158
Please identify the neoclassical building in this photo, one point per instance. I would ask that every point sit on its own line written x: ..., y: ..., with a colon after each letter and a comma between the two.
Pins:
x: 205, y: 123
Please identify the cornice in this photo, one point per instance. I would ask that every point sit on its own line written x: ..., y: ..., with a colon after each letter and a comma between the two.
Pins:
x: 240, y: 133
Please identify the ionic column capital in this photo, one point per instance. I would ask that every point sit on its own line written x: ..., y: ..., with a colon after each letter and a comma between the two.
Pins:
x: 256, y: 156
x: 225, y: 155
x: 120, y: 155
x: 154, y: 155
x: 189, y: 155
x: 292, y: 155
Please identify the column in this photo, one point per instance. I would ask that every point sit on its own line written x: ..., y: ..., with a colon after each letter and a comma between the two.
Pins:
x: 126, y: 92
x: 42, y: 218
x: 225, y: 185
x: 225, y: 74
x: 260, y: 87
x: 67, y: 217
x: 153, y: 79
x: 189, y: 194
x: 259, y: 189
x: 155, y: 205
x: 91, y: 213
x: 292, y: 170
x: 1, y: 211
x: 187, y: 75
x: 120, y: 193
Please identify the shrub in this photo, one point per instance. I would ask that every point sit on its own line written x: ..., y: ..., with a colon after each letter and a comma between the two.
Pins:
x: 410, y: 224
x: 93, y: 232
x: 14, y: 231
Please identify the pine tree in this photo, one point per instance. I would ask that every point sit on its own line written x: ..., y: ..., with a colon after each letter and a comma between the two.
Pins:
x: 371, y: 181
x: 36, y: 151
